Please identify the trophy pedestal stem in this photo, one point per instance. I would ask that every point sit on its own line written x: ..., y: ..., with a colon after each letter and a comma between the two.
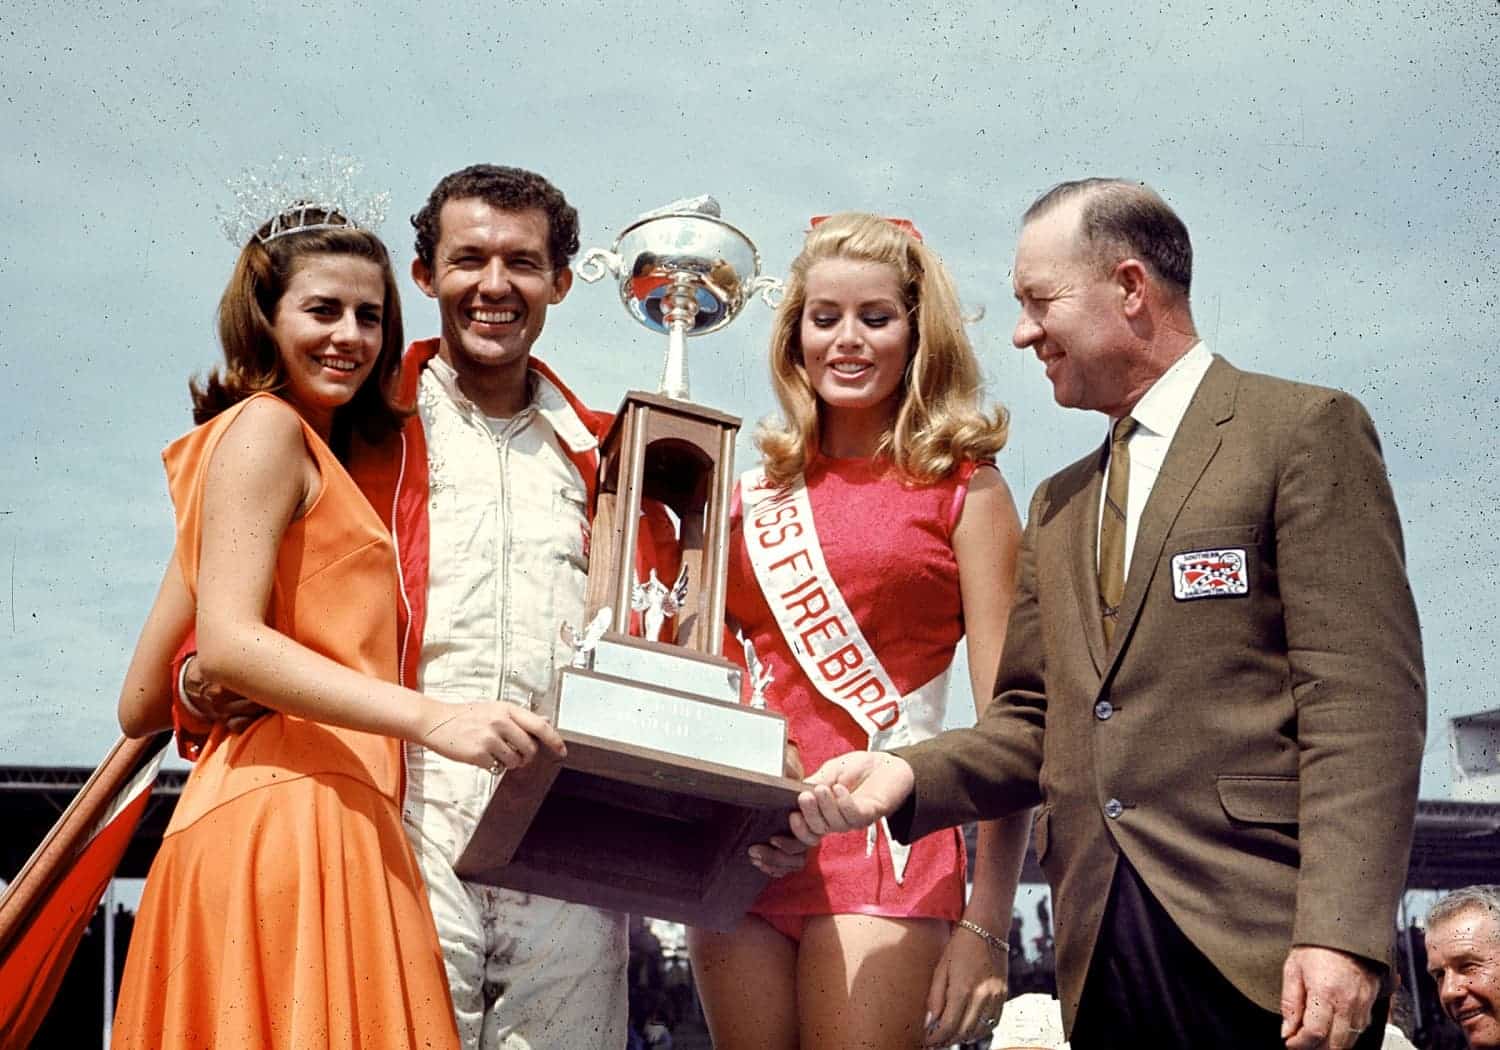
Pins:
x: 679, y: 311
x: 674, y: 377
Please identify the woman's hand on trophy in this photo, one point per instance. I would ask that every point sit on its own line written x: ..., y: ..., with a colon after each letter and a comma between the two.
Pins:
x: 783, y: 854
x: 780, y: 856
x: 493, y: 735
x: 791, y: 762
x: 851, y: 792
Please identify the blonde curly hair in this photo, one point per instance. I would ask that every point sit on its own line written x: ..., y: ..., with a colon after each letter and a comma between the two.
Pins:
x: 940, y: 422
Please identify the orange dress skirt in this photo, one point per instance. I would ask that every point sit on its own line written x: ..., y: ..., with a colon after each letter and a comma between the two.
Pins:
x: 285, y: 908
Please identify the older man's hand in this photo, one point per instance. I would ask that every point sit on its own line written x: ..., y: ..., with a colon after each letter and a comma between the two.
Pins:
x: 1326, y: 997
x: 850, y: 792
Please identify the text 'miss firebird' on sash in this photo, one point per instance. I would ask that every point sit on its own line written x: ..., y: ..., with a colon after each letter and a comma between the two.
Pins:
x: 781, y: 540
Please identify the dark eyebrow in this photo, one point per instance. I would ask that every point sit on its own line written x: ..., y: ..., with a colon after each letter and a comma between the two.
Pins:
x: 319, y: 299
x: 880, y: 301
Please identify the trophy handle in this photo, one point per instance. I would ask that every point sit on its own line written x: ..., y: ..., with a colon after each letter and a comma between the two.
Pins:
x: 974, y: 316
x: 771, y: 289
x: 596, y: 263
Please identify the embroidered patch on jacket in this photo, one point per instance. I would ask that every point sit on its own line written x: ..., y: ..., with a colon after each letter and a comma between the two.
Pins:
x: 1209, y: 574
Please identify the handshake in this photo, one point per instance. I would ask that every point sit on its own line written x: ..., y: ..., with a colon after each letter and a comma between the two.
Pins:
x: 847, y: 793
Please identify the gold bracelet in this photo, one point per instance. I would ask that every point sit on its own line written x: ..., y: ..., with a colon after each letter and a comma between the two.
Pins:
x: 995, y: 943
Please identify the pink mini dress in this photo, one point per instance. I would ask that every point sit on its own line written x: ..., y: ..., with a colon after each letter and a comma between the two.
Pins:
x: 888, y: 546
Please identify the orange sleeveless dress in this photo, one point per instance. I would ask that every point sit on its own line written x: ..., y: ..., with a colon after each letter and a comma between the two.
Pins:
x: 285, y: 908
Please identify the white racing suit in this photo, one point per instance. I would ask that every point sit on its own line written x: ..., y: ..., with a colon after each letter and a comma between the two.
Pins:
x: 507, y: 566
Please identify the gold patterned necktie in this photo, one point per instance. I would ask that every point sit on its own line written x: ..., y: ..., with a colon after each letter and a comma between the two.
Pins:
x: 1112, y: 526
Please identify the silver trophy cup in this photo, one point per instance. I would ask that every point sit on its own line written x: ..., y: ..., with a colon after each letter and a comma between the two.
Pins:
x: 683, y: 271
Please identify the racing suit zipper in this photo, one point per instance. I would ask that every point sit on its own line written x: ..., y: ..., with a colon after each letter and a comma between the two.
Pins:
x: 502, y: 463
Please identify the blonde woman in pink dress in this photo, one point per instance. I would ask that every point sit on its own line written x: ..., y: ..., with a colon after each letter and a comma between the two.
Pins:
x: 877, y: 534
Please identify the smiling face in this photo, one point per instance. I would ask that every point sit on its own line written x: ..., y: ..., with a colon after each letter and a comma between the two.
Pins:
x: 1072, y: 316
x: 328, y: 332
x: 1463, y: 956
x: 493, y: 279
x: 856, y: 337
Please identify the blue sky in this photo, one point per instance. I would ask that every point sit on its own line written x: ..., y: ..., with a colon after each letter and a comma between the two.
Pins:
x: 1335, y: 166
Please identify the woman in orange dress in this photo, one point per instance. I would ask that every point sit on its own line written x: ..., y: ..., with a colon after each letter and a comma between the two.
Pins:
x: 285, y: 908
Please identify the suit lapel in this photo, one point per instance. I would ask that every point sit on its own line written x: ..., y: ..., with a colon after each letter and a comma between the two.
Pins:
x: 1192, y: 448
x: 1081, y: 538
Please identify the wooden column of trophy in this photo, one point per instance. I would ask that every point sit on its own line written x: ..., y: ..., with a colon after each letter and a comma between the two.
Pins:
x: 669, y: 778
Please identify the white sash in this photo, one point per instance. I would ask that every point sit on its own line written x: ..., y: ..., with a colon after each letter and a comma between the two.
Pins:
x: 822, y: 633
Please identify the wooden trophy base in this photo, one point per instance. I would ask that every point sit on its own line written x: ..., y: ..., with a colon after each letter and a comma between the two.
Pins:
x: 633, y: 828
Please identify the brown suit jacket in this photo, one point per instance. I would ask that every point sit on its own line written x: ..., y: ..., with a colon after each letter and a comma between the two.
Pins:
x: 1255, y: 757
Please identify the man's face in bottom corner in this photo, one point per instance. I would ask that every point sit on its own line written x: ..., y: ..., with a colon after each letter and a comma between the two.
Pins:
x: 1463, y: 956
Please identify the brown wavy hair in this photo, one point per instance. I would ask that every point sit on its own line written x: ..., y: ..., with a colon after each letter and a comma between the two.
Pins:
x: 940, y: 422
x: 251, y: 361
x: 506, y: 189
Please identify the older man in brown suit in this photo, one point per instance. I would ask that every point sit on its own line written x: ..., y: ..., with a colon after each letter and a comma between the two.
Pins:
x: 1212, y: 681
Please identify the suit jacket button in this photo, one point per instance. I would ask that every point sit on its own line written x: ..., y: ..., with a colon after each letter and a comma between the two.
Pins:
x: 1113, y: 808
x: 1103, y: 709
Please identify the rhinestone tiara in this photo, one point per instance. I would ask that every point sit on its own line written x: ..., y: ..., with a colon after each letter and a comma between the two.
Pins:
x: 297, y: 194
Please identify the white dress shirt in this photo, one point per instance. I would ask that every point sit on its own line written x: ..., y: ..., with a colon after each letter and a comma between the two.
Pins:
x: 1157, y: 415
